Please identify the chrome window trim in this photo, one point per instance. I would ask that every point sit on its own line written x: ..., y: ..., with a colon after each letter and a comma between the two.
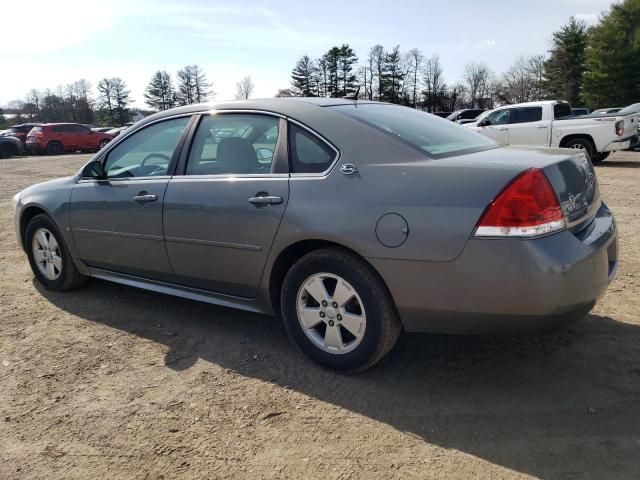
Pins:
x: 322, y: 139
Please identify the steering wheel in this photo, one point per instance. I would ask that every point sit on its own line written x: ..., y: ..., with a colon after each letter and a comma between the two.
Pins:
x: 159, y: 168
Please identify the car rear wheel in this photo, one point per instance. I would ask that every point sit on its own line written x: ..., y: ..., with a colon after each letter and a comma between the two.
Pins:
x: 7, y: 151
x: 49, y: 256
x: 55, y: 148
x: 338, y: 311
x: 582, y: 144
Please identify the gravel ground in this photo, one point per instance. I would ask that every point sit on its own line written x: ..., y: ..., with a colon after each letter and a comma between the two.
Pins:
x: 113, y: 382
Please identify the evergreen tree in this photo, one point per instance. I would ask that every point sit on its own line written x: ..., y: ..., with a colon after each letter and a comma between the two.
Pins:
x: 113, y: 101
x: 201, y: 86
x: 303, y: 78
x: 193, y: 86
x: 613, y: 58
x: 565, y: 68
x: 347, y: 78
x: 160, y: 93
x: 392, y: 76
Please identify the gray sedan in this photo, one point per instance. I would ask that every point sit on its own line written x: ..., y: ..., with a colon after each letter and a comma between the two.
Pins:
x: 351, y: 220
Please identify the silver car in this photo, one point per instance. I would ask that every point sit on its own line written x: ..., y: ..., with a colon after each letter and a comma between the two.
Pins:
x: 352, y: 220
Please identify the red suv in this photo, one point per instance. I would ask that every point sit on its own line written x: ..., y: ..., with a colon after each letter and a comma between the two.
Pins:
x: 57, y: 138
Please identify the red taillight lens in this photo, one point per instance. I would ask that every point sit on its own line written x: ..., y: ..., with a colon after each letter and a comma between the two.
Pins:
x: 527, y: 207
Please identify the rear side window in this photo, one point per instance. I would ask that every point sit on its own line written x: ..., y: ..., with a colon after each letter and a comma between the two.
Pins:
x: 527, y: 115
x: 562, y: 110
x: 308, y: 153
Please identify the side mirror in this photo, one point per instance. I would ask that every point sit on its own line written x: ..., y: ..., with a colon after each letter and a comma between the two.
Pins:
x: 94, y: 170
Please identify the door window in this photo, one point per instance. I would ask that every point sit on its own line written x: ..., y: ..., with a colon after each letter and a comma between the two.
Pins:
x: 146, y: 153
x: 500, y: 117
x: 233, y: 144
x: 527, y: 115
x: 308, y: 153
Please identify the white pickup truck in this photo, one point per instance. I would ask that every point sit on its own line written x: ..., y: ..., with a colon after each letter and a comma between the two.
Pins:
x: 551, y: 124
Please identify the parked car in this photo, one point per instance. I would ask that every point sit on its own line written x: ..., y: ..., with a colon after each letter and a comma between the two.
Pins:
x: 551, y: 123
x: 579, y: 111
x: 604, y: 111
x: 114, y: 132
x: 368, y: 220
x: 462, y: 116
x: 10, y: 146
x: 443, y: 114
x: 21, y: 131
x: 57, y: 138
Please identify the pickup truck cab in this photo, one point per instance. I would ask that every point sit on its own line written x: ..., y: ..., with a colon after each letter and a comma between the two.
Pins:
x: 551, y: 124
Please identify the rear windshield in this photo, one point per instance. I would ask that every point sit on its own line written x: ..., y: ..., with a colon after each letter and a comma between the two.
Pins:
x: 429, y: 134
x: 635, y: 108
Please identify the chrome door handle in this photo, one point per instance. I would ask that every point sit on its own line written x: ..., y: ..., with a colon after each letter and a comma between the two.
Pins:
x: 541, y: 126
x: 502, y: 129
x: 265, y: 200
x: 145, y: 197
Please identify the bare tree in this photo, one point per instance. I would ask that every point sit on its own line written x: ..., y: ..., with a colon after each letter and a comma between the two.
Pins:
x: 433, y: 82
x: 244, y: 88
x: 415, y: 59
x: 477, y: 77
x: 523, y: 81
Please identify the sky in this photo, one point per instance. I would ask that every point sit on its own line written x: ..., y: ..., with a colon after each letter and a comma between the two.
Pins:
x: 54, y: 42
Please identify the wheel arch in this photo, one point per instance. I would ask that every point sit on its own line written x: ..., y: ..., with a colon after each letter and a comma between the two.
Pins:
x: 291, y: 254
x: 26, y: 215
x: 579, y: 136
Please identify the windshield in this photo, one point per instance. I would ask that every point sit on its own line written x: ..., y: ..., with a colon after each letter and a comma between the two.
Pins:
x: 429, y: 134
x: 635, y: 108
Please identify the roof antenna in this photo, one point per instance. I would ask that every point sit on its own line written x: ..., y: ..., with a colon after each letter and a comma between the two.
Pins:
x: 353, y: 96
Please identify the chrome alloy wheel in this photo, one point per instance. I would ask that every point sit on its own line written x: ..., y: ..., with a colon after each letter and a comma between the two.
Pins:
x: 331, y: 313
x: 47, y: 254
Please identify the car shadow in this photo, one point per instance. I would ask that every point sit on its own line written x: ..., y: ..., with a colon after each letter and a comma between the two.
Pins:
x: 564, y: 405
x: 619, y: 164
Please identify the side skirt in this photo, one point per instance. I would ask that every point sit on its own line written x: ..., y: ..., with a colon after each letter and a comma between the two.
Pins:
x: 179, y: 291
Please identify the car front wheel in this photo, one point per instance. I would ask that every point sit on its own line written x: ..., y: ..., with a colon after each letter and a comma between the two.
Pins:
x: 49, y: 256
x: 338, y: 311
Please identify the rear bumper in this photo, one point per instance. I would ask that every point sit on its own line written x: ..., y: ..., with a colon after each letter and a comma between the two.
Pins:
x: 502, y: 286
x: 618, y: 145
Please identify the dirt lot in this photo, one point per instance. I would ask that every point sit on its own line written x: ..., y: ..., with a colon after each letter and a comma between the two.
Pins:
x: 113, y: 382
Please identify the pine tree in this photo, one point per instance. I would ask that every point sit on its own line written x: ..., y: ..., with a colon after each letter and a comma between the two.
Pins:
x: 201, y: 86
x: 392, y: 75
x: 613, y: 58
x: 303, y: 78
x: 565, y: 68
x: 347, y: 59
x: 113, y: 101
x: 160, y: 93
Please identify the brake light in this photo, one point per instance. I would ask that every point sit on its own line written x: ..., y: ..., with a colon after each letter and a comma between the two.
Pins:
x: 527, y: 207
x: 620, y: 128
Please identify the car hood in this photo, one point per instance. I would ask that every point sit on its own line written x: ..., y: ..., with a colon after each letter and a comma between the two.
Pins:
x: 43, y: 188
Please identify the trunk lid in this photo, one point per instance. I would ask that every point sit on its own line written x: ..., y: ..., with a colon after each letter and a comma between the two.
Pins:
x: 574, y: 181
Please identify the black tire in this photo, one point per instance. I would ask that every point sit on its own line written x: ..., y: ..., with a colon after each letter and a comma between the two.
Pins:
x: 601, y: 157
x: 69, y: 276
x: 582, y: 144
x: 383, y: 325
x: 7, y: 150
x: 55, y: 148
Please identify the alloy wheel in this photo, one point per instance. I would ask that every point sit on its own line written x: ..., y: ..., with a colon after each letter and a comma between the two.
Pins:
x: 47, y: 254
x: 331, y: 313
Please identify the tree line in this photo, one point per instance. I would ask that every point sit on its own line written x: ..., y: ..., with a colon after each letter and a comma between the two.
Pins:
x: 596, y: 66
x: 593, y: 66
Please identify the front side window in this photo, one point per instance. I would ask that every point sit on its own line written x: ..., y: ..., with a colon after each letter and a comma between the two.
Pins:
x: 499, y: 117
x: 428, y: 134
x: 146, y: 153
x: 527, y: 115
x: 233, y: 144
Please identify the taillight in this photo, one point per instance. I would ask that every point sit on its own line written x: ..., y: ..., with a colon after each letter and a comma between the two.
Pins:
x: 527, y: 207
x: 620, y: 128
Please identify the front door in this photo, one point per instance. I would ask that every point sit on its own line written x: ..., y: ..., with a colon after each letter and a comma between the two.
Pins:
x: 117, y: 222
x: 222, y: 214
x: 497, y: 126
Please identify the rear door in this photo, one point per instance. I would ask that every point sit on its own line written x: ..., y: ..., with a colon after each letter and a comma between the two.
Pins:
x: 222, y: 214
x: 85, y: 139
x: 526, y: 127
x: 117, y: 222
